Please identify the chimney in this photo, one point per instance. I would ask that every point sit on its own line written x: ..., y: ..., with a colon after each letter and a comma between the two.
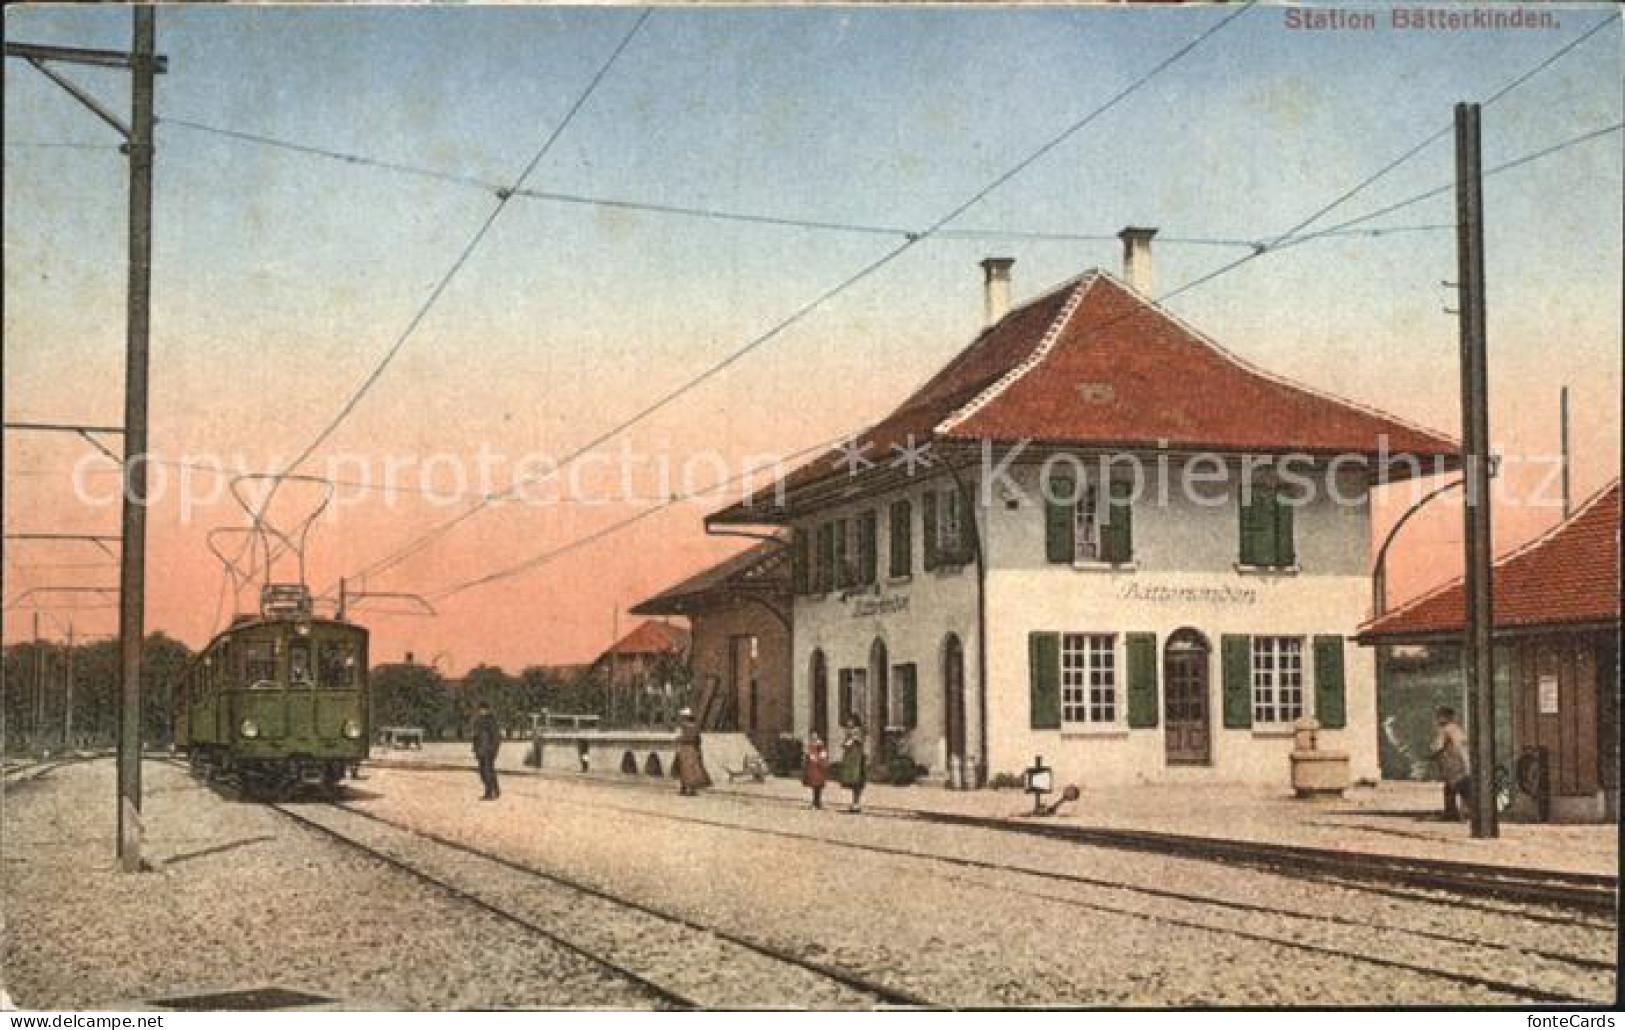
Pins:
x: 996, y: 287
x: 410, y: 658
x: 1137, y: 258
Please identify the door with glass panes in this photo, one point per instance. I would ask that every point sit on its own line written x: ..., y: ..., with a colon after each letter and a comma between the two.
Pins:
x: 1187, y: 721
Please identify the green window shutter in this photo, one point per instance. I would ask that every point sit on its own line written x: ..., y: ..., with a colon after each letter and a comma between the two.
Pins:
x: 868, y: 556
x: 929, y: 514
x: 1237, y: 656
x: 1142, y: 680
x: 1258, y: 528
x: 902, y: 538
x: 1117, y: 532
x: 843, y: 576
x: 798, y: 561
x: 826, y: 557
x: 1044, y: 670
x: 1059, y: 526
x: 1330, y: 708
x: 1285, y: 549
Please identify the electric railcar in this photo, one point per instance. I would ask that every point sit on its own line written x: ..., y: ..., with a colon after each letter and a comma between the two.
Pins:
x: 277, y: 700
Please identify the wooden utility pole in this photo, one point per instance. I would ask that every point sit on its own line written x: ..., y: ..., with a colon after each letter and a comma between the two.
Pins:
x: 67, y: 695
x: 133, y: 555
x: 1563, y: 447
x: 144, y: 64
x: 38, y: 715
x: 1478, y: 642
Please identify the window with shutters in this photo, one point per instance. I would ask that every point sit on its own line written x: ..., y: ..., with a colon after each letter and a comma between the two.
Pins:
x: 867, y: 527
x: 846, y: 552
x: 1089, y: 522
x: 1088, y: 678
x: 900, y: 562
x: 1277, y: 680
x: 824, y: 568
x: 1267, y: 530
x: 950, y: 527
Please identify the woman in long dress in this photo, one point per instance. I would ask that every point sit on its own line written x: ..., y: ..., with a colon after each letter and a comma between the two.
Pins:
x: 691, y: 774
x: 854, y: 763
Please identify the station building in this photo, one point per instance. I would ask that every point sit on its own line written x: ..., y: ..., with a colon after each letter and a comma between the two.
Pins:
x: 1097, y: 537
x: 1556, y: 628
x: 738, y: 612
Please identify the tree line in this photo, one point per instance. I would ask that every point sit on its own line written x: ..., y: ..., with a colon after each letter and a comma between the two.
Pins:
x: 418, y: 696
x: 34, y: 695
x: 36, y: 692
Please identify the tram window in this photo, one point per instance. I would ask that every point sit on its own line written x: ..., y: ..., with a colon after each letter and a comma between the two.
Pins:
x: 337, y: 665
x: 299, y: 664
x: 259, y: 664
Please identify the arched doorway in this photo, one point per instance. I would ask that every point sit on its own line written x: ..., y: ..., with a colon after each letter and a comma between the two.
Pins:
x: 818, y: 695
x: 879, y: 713
x: 953, y: 697
x: 1188, y: 736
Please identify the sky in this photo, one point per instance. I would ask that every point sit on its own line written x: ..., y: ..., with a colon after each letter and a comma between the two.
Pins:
x: 282, y: 278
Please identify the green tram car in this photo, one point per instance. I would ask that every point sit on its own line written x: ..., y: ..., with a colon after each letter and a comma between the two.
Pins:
x: 277, y: 700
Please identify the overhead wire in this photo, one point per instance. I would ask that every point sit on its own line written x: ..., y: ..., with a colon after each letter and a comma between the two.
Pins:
x: 502, y: 199
x: 1319, y: 212
x: 800, y: 313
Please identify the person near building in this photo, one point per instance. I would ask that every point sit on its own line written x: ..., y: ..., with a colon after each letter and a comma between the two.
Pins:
x: 1449, y: 750
x: 691, y: 774
x: 487, y: 739
x: 854, y: 763
x: 815, y: 769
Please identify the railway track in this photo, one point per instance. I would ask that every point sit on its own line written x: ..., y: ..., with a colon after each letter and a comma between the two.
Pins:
x: 24, y: 772
x: 1405, y: 877
x: 1572, y: 891
x: 680, y: 962
x: 1290, y: 928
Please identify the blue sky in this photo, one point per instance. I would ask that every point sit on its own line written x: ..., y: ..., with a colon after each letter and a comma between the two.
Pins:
x: 280, y: 278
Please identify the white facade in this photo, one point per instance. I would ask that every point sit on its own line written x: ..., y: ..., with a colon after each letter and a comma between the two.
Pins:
x: 1184, y: 576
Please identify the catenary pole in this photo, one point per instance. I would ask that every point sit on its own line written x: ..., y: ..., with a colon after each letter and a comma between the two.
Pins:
x: 67, y: 695
x: 132, y: 556
x: 1478, y: 645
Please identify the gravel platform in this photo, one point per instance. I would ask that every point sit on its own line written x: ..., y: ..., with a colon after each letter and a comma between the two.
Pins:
x: 240, y: 898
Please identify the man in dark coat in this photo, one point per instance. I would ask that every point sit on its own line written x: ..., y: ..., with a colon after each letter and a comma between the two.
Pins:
x: 487, y: 736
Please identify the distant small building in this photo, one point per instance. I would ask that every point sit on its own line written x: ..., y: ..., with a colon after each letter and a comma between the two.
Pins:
x: 1556, y: 624
x: 636, y: 671
x: 739, y: 614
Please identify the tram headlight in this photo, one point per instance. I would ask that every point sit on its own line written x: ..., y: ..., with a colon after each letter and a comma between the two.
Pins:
x: 352, y: 729
x: 249, y: 729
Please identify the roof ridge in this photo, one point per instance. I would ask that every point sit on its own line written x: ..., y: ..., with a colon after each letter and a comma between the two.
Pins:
x: 1080, y: 286
x: 1263, y: 373
x: 1545, y: 537
x: 964, y: 353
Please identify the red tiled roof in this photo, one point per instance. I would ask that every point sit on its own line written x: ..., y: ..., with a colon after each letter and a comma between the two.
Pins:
x: 650, y: 637
x: 1569, y: 577
x: 1093, y: 363
x: 763, y: 567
